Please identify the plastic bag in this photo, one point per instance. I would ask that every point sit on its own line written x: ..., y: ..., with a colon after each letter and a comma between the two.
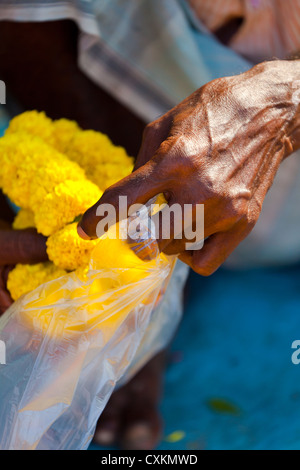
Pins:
x: 164, y: 321
x: 70, y: 340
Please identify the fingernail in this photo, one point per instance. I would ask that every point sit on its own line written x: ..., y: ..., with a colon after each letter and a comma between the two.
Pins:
x: 82, y: 233
x: 104, y: 437
x: 138, y: 437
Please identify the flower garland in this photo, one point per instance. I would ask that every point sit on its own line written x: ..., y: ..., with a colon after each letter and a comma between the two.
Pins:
x: 54, y: 171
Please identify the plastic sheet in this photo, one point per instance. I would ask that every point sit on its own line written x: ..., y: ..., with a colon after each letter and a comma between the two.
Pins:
x: 70, y: 340
x: 164, y: 321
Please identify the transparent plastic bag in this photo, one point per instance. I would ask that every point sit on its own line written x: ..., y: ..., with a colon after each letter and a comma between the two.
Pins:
x: 164, y: 321
x: 70, y: 340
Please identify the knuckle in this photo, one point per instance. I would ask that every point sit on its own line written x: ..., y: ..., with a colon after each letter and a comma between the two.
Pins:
x: 248, y: 220
x: 205, y: 270
x: 151, y: 130
x: 245, y: 217
x: 237, y: 209
x: 111, y: 194
x: 181, y: 156
x: 147, y: 131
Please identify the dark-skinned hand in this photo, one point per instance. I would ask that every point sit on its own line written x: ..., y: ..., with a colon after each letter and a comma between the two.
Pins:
x: 17, y: 246
x: 220, y: 147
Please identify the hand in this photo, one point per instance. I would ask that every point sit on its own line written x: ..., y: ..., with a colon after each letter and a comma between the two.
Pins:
x: 220, y: 147
x: 18, y: 246
x: 5, y: 298
x: 22, y: 246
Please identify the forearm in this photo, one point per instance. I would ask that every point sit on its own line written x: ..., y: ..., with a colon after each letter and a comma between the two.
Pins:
x: 295, y: 138
x: 286, y: 73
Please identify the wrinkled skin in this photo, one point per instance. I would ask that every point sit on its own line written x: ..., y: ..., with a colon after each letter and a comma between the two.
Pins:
x: 222, y: 146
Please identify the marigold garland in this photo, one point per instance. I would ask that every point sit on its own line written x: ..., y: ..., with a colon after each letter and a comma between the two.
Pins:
x: 54, y: 171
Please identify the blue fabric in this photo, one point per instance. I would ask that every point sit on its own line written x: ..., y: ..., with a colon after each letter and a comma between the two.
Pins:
x: 234, y: 344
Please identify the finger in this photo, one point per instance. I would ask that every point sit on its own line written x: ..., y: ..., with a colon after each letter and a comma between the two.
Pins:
x: 5, y: 298
x: 4, y: 272
x: 22, y: 246
x: 142, y: 427
x: 179, y: 225
x: 109, y: 423
x: 215, y: 251
x: 5, y: 301
x: 154, y: 134
x: 138, y: 188
x: 142, y: 424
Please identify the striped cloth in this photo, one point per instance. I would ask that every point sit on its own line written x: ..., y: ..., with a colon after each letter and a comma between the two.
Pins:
x: 270, y: 28
x: 150, y: 54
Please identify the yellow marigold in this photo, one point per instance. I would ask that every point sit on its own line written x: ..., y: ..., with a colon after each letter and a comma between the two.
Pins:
x: 98, y: 156
x: 68, y: 200
x: 57, y: 133
x: 9, y: 158
x: 88, y: 147
x: 64, y: 132
x: 26, y: 277
x: 51, y: 173
x: 32, y: 169
x: 67, y: 250
x: 23, y: 219
x: 34, y: 123
x: 22, y: 156
x: 107, y: 174
x: 53, y: 170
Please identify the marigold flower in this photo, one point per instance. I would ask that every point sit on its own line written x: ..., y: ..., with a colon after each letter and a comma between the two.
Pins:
x: 54, y: 171
x: 60, y: 207
x: 67, y: 250
x: 33, y: 122
x: 26, y: 277
x: 24, y: 219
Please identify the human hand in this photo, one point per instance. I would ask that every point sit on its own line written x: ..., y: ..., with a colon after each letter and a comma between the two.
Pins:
x: 5, y: 298
x: 220, y: 147
x: 18, y: 246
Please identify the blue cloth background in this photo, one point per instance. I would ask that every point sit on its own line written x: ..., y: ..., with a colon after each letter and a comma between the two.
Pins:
x: 234, y: 344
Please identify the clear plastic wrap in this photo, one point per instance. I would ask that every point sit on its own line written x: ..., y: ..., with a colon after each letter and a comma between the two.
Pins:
x: 69, y: 342
x: 164, y: 321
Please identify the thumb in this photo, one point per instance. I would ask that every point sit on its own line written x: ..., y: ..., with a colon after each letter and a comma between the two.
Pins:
x: 139, y: 187
x: 5, y: 298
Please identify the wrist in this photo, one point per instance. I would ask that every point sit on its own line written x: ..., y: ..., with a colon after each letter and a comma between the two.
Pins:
x: 295, y: 132
x: 284, y: 75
